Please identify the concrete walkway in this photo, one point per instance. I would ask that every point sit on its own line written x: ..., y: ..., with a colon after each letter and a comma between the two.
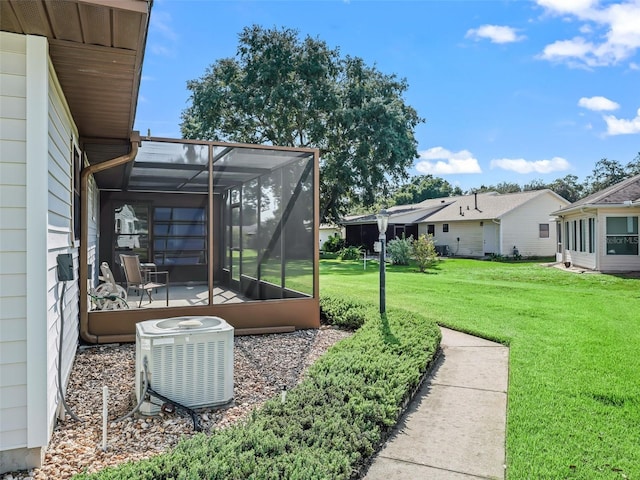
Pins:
x: 454, y: 428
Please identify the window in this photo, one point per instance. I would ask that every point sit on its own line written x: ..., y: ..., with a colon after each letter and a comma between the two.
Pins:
x: 559, y: 236
x: 592, y: 235
x: 566, y: 236
x: 583, y: 235
x: 544, y: 230
x: 575, y: 235
x: 622, y: 235
x: 179, y: 236
x: 431, y: 229
x: 445, y: 227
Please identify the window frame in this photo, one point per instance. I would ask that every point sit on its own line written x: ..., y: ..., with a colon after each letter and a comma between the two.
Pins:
x: 541, y: 231
x: 629, y: 235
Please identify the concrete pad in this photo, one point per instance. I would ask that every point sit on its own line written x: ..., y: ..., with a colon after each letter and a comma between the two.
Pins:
x: 453, y: 428
x: 485, y: 368
x: 391, y: 469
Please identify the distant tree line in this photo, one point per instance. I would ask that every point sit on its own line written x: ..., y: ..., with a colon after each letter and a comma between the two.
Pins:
x: 605, y: 173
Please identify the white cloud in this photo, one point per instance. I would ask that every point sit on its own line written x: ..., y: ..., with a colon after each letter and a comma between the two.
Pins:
x: 520, y: 165
x: 621, y: 21
x: 598, y: 104
x: 620, y: 126
x: 163, y: 36
x: 634, y: 66
x: 495, y: 33
x: 440, y: 161
x: 567, y: 6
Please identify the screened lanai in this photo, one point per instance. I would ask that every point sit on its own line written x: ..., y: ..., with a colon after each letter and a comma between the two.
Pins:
x: 233, y: 226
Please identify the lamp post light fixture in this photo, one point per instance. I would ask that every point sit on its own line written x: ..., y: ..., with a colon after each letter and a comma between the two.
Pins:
x: 383, y: 221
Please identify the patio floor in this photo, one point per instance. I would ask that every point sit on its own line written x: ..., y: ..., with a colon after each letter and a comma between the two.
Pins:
x: 184, y: 296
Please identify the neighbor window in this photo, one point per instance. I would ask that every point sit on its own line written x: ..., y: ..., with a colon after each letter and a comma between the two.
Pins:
x: 622, y: 235
x: 445, y: 227
x: 567, y: 238
x: 575, y: 235
x: 544, y: 230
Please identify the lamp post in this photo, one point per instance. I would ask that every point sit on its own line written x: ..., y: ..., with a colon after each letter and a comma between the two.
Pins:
x: 383, y: 220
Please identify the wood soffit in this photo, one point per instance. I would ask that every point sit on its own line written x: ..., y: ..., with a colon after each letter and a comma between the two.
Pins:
x: 97, y: 48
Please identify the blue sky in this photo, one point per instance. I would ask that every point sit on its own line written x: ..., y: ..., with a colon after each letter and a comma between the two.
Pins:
x: 510, y: 90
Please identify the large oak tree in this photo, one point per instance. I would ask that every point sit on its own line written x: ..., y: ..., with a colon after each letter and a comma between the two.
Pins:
x: 281, y: 90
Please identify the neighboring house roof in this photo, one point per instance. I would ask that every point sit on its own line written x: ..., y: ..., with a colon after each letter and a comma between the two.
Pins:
x: 622, y: 193
x: 487, y: 206
x: 483, y: 206
x: 97, y: 48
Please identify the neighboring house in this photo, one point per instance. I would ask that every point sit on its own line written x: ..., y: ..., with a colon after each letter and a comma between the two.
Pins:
x: 327, y: 231
x: 600, y: 232
x: 75, y: 180
x: 474, y: 225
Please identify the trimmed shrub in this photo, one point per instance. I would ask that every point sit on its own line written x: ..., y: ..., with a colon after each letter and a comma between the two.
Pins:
x: 330, y: 424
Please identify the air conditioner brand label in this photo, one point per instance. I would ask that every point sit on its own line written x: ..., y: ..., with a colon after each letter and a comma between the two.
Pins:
x: 163, y: 341
x: 145, y: 344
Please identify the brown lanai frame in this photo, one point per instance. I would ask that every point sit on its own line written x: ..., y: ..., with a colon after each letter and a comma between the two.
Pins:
x: 259, y: 316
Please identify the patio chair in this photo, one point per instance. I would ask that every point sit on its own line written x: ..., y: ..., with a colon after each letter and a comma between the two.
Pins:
x: 141, y: 282
x: 108, y: 295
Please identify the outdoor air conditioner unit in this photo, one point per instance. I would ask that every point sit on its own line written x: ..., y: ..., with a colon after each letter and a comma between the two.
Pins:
x: 188, y: 360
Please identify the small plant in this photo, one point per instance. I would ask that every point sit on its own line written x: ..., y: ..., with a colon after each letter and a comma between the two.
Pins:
x: 424, y: 251
x: 400, y: 250
x: 350, y: 253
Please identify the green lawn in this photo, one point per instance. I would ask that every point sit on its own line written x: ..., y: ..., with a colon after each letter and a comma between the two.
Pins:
x: 574, y: 368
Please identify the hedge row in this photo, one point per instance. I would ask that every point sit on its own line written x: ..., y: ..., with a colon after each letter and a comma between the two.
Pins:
x: 330, y: 424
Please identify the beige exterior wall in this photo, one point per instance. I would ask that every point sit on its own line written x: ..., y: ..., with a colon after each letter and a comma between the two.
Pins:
x: 36, y: 134
x: 521, y: 227
x: 469, y: 233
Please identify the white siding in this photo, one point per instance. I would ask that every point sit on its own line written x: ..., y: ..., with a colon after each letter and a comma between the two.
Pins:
x: 469, y: 234
x: 13, y: 267
x: 36, y: 133
x: 62, y: 134
x: 521, y: 227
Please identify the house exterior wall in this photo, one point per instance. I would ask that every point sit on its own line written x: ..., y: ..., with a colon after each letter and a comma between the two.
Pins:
x: 599, y: 259
x: 614, y: 263
x: 35, y: 142
x: 573, y: 252
x: 469, y: 233
x: 521, y: 227
x: 13, y: 246
x: 328, y: 232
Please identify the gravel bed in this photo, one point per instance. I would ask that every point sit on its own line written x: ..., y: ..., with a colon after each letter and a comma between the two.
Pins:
x: 263, y: 364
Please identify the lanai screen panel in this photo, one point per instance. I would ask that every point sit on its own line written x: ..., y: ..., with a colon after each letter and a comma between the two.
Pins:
x: 263, y: 215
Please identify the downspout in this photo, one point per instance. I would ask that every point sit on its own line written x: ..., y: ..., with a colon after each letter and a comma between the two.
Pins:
x: 84, y: 231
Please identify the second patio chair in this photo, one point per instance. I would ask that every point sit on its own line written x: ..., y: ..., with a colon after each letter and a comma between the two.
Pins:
x: 144, y: 283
